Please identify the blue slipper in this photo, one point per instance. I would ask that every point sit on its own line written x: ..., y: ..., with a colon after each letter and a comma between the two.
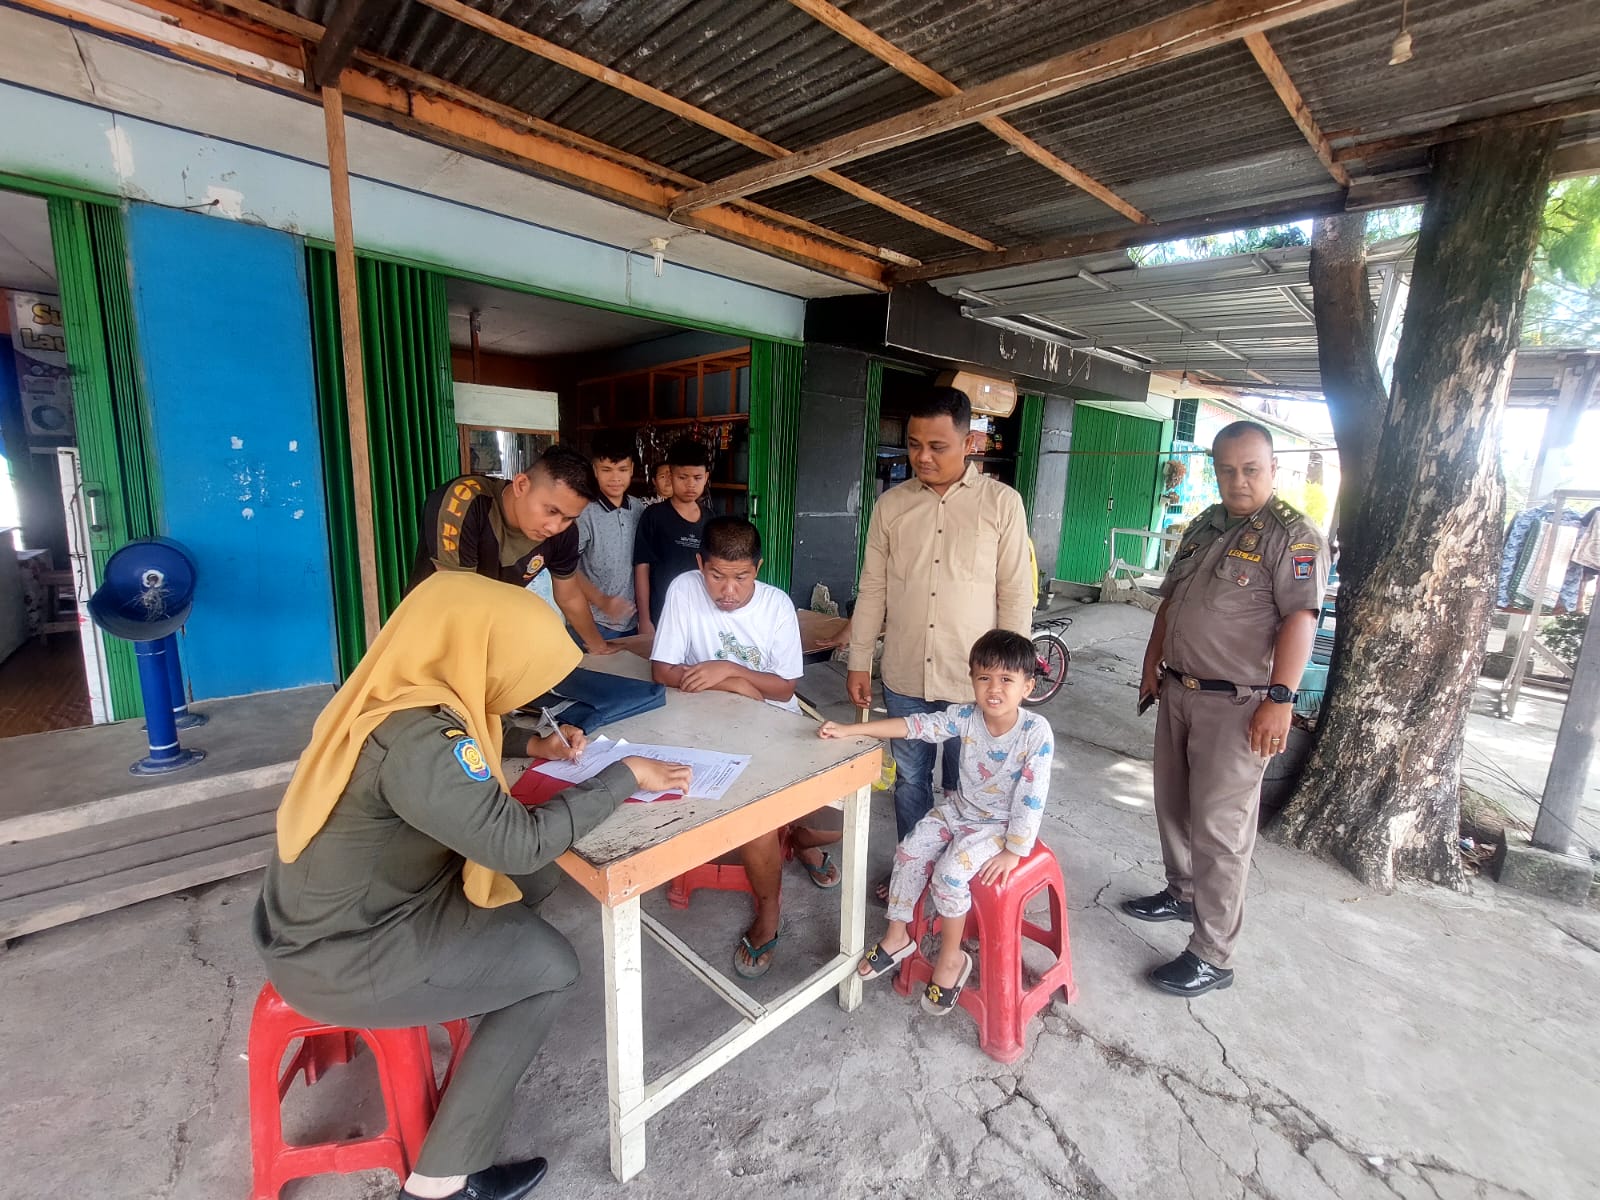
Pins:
x: 756, y: 969
x: 819, y: 874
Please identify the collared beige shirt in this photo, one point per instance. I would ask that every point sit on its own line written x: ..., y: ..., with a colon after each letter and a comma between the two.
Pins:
x: 939, y: 573
x: 1228, y: 590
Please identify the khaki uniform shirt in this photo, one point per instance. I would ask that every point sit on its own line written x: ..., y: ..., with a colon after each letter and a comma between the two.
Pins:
x: 939, y: 573
x: 1228, y: 590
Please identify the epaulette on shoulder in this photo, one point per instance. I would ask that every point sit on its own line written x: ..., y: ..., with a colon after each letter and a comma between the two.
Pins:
x: 1287, y: 514
x: 1199, y: 522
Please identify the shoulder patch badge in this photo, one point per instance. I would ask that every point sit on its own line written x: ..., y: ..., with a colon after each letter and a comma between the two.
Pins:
x: 471, y: 758
x: 1303, y: 564
x: 1311, y: 546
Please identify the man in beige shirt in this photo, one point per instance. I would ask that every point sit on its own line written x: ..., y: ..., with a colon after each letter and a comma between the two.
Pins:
x: 947, y: 561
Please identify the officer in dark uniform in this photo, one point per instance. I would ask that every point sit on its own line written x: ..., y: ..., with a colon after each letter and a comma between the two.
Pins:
x: 512, y: 529
x: 406, y: 886
x: 1234, y: 632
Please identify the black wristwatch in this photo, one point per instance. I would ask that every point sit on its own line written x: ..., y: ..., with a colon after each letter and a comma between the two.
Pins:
x: 1279, y: 694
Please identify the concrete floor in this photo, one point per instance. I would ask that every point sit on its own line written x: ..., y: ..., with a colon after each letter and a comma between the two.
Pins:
x: 1425, y: 1045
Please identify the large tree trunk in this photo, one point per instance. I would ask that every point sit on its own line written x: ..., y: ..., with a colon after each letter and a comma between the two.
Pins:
x: 1347, y: 357
x: 1380, y: 792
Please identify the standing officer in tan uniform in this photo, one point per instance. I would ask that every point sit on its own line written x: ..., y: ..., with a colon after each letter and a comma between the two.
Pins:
x: 1231, y: 639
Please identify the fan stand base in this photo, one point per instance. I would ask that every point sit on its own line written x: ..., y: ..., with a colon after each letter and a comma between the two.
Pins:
x: 151, y: 765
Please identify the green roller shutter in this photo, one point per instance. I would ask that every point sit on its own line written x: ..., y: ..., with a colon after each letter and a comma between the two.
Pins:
x: 1031, y: 418
x: 110, y: 410
x: 1111, y: 484
x: 869, y: 458
x: 774, y: 453
x: 411, y: 429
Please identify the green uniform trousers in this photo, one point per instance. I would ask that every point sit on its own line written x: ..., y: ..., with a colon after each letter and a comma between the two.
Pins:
x: 508, y: 964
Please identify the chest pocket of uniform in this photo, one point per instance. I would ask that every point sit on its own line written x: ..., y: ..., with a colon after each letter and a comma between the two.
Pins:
x: 1237, y: 588
x: 974, y: 555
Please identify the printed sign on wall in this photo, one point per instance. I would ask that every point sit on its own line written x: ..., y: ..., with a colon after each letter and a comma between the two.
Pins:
x: 39, y: 339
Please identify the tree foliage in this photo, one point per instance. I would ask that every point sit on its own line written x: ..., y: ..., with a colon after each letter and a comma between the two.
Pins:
x: 1564, y: 302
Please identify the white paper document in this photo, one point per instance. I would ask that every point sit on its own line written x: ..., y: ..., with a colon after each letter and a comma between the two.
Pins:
x: 713, y: 772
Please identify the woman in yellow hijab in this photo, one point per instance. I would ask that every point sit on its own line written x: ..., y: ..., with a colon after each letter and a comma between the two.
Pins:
x: 406, y: 886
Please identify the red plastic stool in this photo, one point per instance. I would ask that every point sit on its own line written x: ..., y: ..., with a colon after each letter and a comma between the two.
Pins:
x: 718, y: 877
x: 405, y: 1073
x: 999, y: 1004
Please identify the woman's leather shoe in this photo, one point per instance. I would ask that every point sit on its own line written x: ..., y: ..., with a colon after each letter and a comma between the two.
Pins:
x: 509, y: 1181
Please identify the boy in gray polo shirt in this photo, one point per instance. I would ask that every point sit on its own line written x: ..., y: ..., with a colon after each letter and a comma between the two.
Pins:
x: 605, y: 538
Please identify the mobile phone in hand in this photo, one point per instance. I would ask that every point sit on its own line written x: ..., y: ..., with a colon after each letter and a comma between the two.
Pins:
x: 1145, y: 703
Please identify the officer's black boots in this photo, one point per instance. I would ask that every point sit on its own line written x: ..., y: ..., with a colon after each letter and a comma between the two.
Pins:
x: 1190, y: 975
x: 1163, y: 906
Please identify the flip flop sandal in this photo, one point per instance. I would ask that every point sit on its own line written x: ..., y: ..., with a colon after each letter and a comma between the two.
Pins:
x: 883, y: 961
x: 819, y: 874
x: 938, y: 1001
x: 756, y: 969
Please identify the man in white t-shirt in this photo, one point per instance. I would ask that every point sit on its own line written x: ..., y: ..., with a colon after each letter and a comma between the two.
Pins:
x: 721, y: 629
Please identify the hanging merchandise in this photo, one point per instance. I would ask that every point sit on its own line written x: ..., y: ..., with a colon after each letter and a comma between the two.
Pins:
x: 1586, y: 551
x: 1530, y: 532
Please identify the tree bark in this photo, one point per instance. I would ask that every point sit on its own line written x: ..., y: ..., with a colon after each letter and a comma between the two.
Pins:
x: 1347, y: 358
x: 1380, y: 793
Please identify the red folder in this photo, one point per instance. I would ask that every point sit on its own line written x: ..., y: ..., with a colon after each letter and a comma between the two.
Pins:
x: 535, y: 787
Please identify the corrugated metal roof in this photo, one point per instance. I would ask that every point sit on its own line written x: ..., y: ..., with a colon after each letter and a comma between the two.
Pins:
x: 1243, y: 320
x: 1199, y: 135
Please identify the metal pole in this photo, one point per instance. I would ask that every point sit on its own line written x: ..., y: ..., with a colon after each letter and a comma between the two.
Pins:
x: 1574, y: 753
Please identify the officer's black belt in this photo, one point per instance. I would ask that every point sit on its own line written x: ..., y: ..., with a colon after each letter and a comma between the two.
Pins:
x: 1217, y: 685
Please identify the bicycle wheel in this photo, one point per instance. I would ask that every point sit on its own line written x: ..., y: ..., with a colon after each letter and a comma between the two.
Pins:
x: 1051, y: 660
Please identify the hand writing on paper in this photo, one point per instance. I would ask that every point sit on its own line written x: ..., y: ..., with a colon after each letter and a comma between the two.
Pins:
x: 551, y: 747
x: 654, y: 776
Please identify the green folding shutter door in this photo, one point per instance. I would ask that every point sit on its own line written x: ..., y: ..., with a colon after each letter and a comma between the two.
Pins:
x: 411, y: 430
x: 110, y: 410
x: 869, y: 458
x: 1111, y: 484
x: 774, y: 453
x: 1032, y: 422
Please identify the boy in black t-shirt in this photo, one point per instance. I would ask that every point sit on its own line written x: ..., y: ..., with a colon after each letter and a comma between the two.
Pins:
x: 511, y: 529
x: 668, y: 540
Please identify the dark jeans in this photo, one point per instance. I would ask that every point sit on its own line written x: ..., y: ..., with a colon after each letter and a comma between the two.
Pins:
x: 913, y: 763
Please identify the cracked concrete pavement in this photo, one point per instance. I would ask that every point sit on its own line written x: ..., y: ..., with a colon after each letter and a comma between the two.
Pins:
x: 1420, y: 1046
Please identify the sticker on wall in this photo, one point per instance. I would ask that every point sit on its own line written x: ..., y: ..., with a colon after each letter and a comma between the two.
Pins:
x: 38, y: 338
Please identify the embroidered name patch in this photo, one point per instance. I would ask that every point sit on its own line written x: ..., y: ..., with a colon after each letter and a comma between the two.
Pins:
x: 1244, y: 555
x: 470, y: 756
x: 1303, y: 564
x: 1312, y: 546
x: 453, y: 732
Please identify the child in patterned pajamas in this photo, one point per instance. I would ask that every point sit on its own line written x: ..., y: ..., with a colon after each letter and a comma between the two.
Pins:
x: 984, y: 828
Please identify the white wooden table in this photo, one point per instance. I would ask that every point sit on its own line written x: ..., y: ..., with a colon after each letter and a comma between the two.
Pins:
x: 643, y: 846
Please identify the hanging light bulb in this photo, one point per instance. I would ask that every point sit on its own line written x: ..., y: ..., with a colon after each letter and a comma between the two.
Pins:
x: 1400, y: 51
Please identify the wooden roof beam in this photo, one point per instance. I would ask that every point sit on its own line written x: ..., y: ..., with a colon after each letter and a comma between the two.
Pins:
x: 276, y: 59
x: 1278, y: 76
x: 886, y: 51
x: 589, y: 69
x: 352, y: 20
x: 1203, y: 27
x: 285, y: 21
x: 1560, y: 110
